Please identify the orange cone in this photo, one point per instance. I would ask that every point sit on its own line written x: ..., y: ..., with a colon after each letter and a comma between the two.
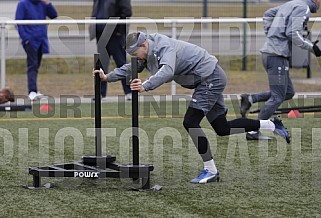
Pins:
x: 294, y: 114
x: 45, y: 108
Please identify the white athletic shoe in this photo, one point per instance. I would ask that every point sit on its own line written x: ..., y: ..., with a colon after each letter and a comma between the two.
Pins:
x: 39, y: 94
x: 129, y: 96
x: 35, y: 95
x: 104, y: 98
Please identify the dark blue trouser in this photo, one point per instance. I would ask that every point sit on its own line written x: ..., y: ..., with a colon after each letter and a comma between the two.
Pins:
x: 114, y: 48
x: 34, y: 58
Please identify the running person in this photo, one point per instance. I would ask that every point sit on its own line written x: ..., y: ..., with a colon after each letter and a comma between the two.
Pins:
x: 192, y: 67
x: 284, y: 26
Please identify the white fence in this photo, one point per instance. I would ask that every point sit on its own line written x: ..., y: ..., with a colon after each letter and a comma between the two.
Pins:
x: 173, y: 24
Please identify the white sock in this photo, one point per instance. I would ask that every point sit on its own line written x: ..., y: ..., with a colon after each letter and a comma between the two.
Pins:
x: 267, y: 125
x: 210, y: 166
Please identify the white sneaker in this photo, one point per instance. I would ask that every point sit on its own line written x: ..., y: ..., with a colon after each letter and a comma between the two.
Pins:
x: 129, y: 96
x: 39, y: 94
x: 32, y: 96
x: 104, y: 98
x: 35, y: 95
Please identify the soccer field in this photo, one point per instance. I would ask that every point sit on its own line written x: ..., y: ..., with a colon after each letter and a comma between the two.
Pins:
x: 258, y: 179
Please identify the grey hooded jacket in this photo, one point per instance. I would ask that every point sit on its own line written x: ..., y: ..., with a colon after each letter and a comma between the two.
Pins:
x: 170, y: 59
x: 285, y: 24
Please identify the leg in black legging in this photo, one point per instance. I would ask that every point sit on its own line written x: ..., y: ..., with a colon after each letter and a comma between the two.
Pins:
x: 191, y: 123
x: 240, y: 125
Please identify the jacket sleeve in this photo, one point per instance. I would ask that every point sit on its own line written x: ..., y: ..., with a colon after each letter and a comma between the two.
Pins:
x: 125, y: 9
x: 268, y: 18
x: 119, y: 73
x: 95, y: 8
x: 20, y: 15
x: 51, y: 11
x: 296, y: 26
x: 165, y: 73
x: 124, y: 72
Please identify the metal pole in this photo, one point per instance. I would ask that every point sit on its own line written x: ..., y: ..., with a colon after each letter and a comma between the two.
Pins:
x: 97, y: 106
x: 3, y: 55
x: 309, y: 73
x: 174, y: 33
x: 204, y: 8
x: 135, y: 114
x: 244, y: 58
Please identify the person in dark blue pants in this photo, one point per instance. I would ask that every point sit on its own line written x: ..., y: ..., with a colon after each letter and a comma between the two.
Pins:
x: 111, y: 39
x: 115, y: 49
x: 34, y: 37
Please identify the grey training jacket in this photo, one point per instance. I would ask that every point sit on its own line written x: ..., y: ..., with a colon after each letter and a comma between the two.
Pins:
x: 284, y: 25
x: 170, y: 59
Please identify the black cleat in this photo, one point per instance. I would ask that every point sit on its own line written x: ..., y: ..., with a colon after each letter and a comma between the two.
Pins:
x: 245, y: 104
x: 256, y: 136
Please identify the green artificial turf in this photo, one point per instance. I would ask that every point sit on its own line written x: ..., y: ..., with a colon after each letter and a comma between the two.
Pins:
x: 258, y: 179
